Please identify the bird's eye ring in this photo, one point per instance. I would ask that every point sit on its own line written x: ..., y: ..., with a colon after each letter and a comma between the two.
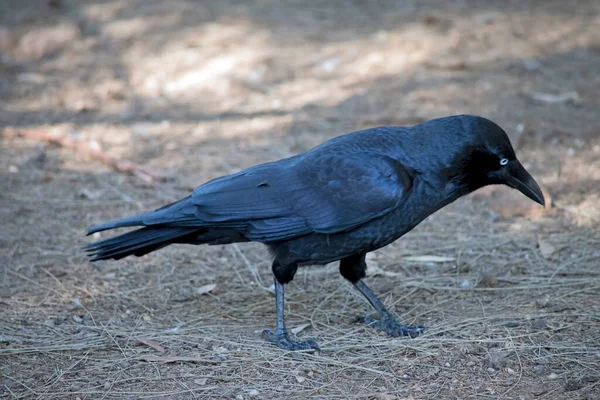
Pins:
x: 504, y: 161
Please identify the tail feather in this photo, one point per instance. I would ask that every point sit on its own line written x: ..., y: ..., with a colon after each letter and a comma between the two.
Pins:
x: 119, y: 223
x: 139, y: 242
x: 159, y: 216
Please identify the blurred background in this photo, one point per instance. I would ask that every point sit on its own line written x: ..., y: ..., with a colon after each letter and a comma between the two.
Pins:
x: 109, y: 108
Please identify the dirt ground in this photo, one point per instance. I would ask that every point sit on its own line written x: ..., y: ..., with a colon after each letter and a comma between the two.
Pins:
x: 196, y: 89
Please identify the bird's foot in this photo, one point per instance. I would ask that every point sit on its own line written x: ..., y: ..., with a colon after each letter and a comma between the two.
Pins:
x: 284, y: 342
x: 391, y: 326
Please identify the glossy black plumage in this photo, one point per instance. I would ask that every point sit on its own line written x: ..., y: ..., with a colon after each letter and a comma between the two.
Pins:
x: 351, y: 195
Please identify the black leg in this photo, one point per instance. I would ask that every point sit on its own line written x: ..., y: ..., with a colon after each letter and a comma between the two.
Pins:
x: 353, y: 268
x: 386, y: 322
x: 281, y: 337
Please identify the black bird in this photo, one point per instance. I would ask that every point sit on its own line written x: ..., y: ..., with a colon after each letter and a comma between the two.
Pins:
x: 351, y: 195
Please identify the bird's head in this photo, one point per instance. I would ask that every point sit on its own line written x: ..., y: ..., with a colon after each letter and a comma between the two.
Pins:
x: 489, y: 159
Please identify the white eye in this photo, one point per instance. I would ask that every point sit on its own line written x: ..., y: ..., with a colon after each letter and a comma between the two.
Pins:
x: 504, y: 161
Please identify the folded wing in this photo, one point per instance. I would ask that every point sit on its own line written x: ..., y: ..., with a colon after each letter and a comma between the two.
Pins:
x: 325, y: 194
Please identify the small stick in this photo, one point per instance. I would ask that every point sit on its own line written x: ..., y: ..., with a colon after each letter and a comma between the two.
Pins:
x: 92, y: 151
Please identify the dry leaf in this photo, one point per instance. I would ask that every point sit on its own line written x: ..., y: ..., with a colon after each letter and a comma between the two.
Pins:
x: 220, y: 350
x: 546, y: 249
x: 297, y: 374
x: 206, y: 289
x: 428, y: 259
x: 76, y: 304
x: 200, y: 382
x: 556, y: 98
x: 466, y: 284
x: 374, y: 270
x: 299, y: 329
x: 152, y: 344
x: 487, y: 278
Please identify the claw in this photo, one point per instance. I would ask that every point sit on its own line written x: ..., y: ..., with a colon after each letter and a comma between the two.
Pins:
x: 391, y: 326
x: 284, y: 342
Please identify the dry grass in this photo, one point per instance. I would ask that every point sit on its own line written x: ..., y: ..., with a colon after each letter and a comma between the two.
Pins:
x: 195, y: 90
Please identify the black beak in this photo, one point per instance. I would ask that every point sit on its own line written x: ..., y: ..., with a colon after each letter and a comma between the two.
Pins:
x: 518, y: 178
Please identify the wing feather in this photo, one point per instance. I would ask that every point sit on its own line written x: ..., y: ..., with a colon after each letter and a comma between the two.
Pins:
x: 326, y: 194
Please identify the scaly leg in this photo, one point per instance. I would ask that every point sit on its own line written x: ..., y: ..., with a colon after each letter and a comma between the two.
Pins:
x: 353, y: 268
x: 281, y: 337
x: 386, y: 322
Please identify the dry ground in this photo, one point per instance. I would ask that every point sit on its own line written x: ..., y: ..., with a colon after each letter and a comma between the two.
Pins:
x: 197, y: 89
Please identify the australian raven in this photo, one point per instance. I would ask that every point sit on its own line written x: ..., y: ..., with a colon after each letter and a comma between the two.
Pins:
x: 351, y: 195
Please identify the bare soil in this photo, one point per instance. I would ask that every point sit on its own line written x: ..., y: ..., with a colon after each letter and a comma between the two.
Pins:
x: 196, y: 89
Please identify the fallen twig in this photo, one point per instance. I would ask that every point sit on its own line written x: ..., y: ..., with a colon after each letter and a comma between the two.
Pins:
x: 171, y: 359
x: 152, y: 344
x: 92, y: 150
